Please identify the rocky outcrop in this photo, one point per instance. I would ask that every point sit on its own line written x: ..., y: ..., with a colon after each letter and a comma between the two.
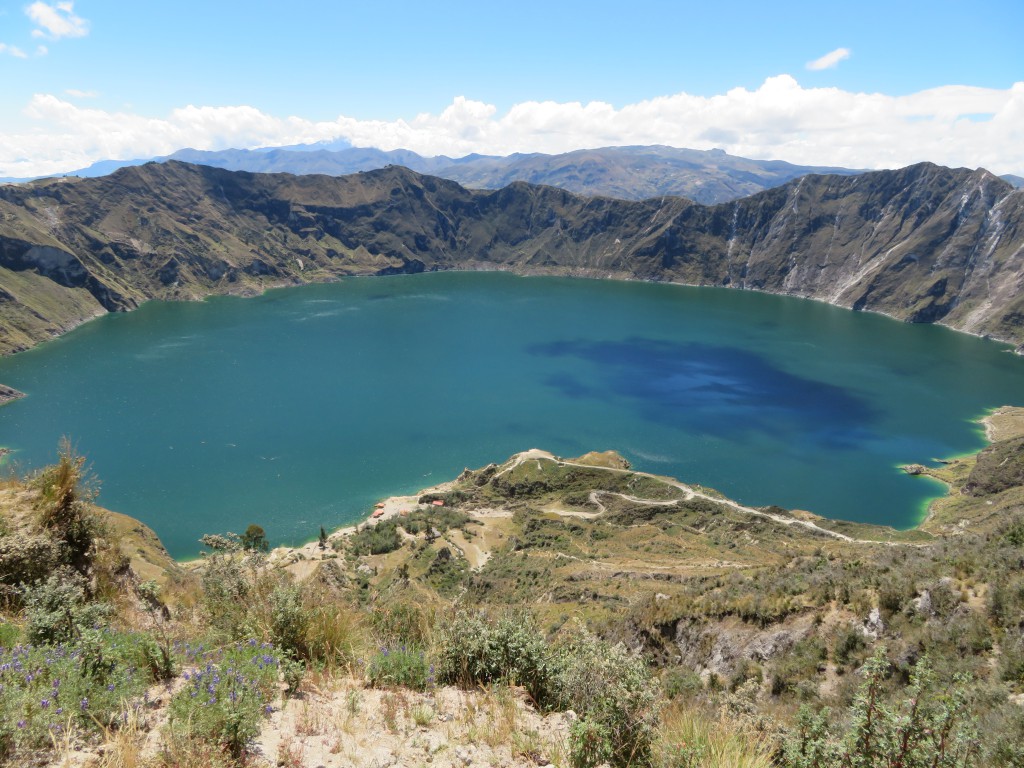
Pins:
x: 9, y: 393
x: 720, y: 648
x: 923, y: 244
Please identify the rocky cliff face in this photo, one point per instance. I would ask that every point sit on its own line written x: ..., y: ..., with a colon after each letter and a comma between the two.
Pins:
x: 924, y: 244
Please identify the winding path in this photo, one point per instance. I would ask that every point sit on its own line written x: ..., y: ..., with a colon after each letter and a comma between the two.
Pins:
x: 535, y: 454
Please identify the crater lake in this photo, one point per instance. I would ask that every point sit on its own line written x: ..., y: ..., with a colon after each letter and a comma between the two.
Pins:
x: 303, y: 406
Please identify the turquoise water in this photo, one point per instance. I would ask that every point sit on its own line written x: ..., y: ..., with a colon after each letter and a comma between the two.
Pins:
x: 302, y: 407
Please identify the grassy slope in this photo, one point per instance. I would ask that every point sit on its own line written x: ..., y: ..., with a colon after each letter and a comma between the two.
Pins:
x: 604, y: 537
x: 717, y: 594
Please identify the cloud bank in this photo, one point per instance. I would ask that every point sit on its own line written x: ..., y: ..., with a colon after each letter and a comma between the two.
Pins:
x: 950, y: 125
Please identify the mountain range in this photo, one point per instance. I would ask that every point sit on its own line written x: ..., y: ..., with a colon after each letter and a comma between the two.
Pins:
x: 631, y: 173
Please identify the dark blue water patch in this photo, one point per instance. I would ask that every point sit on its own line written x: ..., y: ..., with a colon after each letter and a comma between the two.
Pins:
x: 709, y: 388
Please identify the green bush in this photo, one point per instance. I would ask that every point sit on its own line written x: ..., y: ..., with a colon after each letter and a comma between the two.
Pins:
x: 83, y: 685
x: 57, y: 611
x: 227, y: 693
x: 1011, y: 663
x: 589, y: 744
x: 227, y: 588
x: 612, y: 690
x: 848, y: 646
x: 679, y: 683
x: 747, y: 670
x: 25, y: 559
x: 441, y: 518
x: 289, y: 620
x: 928, y: 727
x: 10, y: 634
x: 476, y: 650
x: 404, y: 666
x: 376, y: 539
x: 799, y: 664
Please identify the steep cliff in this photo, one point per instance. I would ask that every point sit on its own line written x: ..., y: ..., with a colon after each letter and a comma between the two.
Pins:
x: 924, y: 243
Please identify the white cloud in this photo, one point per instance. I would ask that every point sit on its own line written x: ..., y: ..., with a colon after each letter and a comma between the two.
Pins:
x: 950, y: 125
x: 56, y: 21
x: 13, y: 50
x: 42, y: 50
x: 829, y: 60
x: 81, y: 94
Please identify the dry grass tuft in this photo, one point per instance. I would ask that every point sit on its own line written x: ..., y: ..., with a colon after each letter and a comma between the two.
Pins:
x: 690, y: 738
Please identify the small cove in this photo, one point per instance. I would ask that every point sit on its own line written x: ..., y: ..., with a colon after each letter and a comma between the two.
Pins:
x: 303, y: 406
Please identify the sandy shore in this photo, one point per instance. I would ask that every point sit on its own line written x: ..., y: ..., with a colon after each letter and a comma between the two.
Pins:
x: 390, y: 507
x: 1004, y: 423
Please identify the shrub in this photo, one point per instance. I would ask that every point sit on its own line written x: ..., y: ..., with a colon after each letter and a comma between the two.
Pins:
x: 679, y: 683
x: 747, y: 670
x: 800, y: 664
x: 589, y: 744
x: 848, y: 645
x: 226, y: 586
x: 10, y: 634
x: 25, y: 558
x: 613, y: 692
x: 403, y: 666
x: 810, y: 744
x: 81, y: 686
x: 289, y: 620
x: 376, y: 539
x: 928, y: 728
x: 56, y: 610
x: 227, y: 692
x: 65, y: 506
x: 475, y: 650
x: 1011, y: 663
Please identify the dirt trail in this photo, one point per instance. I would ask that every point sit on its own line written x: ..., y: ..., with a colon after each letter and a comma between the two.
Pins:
x: 539, y: 455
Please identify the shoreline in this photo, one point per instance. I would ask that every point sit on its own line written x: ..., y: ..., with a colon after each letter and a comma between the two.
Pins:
x: 287, y: 556
x: 1004, y: 422
x: 390, y: 508
x: 588, y: 273
x: 9, y: 394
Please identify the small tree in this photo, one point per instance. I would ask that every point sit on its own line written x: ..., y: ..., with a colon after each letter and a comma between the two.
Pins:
x: 323, y: 538
x: 255, y: 538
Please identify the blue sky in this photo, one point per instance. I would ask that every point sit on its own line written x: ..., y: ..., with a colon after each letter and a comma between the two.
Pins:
x: 92, y: 77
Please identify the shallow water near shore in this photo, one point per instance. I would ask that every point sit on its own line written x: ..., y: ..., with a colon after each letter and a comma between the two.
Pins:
x: 302, y: 407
